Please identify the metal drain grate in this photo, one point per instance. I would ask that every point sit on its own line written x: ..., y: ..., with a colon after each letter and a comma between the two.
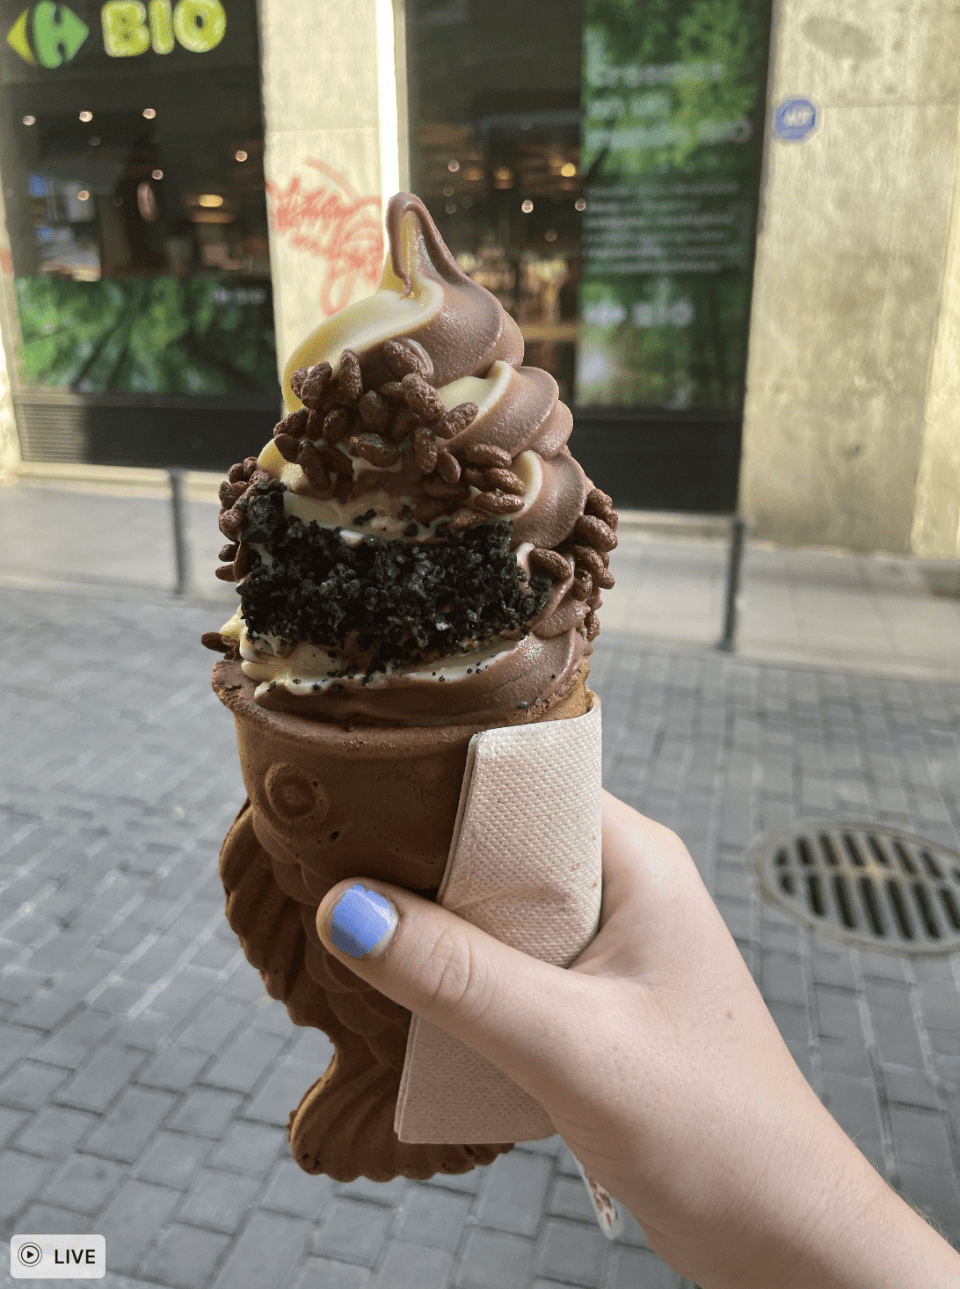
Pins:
x: 873, y: 886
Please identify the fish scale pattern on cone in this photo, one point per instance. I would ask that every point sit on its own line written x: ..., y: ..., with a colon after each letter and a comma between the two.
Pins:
x: 343, y: 1125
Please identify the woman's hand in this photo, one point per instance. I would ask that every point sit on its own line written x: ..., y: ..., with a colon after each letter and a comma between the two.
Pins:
x: 662, y: 1069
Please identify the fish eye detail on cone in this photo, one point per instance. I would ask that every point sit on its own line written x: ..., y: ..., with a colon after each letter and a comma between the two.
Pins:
x: 417, y: 503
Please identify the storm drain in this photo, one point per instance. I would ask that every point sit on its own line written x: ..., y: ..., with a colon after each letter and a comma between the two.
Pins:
x: 873, y: 886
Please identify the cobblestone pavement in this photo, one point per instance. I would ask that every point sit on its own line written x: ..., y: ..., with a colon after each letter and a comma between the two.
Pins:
x: 145, y: 1078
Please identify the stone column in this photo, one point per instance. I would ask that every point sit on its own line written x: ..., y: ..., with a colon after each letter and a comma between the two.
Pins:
x: 936, y: 515
x: 334, y: 100
x: 850, y: 378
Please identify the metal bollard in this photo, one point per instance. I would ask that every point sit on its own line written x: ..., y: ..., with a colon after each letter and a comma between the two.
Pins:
x: 738, y: 527
x: 179, y: 530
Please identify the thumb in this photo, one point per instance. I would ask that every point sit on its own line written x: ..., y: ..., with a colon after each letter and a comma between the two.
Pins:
x: 513, y: 1009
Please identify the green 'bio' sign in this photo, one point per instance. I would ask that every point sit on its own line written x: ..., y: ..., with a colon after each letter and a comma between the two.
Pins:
x: 46, y: 36
x: 673, y: 99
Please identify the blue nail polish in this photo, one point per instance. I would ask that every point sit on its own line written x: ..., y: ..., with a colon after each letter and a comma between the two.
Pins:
x: 361, y: 919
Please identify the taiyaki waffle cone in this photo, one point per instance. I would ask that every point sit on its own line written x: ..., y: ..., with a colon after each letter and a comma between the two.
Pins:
x: 328, y: 802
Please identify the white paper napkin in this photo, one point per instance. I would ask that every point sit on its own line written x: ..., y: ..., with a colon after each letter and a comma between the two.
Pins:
x: 524, y: 866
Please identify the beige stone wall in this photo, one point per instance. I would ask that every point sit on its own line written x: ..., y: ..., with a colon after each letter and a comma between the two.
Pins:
x: 841, y: 440
x: 335, y: 119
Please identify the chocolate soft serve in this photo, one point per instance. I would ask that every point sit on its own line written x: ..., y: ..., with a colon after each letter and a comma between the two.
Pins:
x: 416, y: 545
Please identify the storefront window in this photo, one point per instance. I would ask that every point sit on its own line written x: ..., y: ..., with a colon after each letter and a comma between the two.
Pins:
x: 495, y: 95
x: 671, y: 149
x: 131, y: 150
x: 596, y: 165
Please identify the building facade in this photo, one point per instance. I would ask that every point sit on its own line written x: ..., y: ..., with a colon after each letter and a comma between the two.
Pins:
x: 730, y: 232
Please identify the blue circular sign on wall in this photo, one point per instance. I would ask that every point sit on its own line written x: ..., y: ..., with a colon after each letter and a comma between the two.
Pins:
x: 795, y: 118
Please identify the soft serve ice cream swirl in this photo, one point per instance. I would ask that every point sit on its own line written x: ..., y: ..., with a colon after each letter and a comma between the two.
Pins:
x: 416, y: 545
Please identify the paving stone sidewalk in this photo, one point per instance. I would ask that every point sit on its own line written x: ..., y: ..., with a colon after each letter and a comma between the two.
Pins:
x: 145, y: 1078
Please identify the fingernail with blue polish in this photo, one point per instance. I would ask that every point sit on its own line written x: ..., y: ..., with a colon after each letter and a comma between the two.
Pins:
x: 362, y: 921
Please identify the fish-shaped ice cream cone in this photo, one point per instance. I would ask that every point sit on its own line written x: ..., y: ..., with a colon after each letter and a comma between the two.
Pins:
x: 325, y: 804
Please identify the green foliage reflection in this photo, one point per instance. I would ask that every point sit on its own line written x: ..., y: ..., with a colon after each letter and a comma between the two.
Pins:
x: 160, y: 335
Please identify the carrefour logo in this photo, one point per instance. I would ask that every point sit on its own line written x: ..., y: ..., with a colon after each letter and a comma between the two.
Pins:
x: 47, y: 34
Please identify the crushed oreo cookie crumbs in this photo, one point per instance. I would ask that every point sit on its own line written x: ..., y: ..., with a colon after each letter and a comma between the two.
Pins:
x: 403, y: 601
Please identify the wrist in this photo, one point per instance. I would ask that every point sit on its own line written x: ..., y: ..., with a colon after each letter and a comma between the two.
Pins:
x: 814, y: 1214
x: 845, y: 1228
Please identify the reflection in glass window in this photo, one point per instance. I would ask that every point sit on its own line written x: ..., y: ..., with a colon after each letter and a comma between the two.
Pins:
x: 495, y: 135
x: 136, y: 209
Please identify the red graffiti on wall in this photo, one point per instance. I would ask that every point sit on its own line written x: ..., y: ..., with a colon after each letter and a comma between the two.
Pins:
x: 335, y: 224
